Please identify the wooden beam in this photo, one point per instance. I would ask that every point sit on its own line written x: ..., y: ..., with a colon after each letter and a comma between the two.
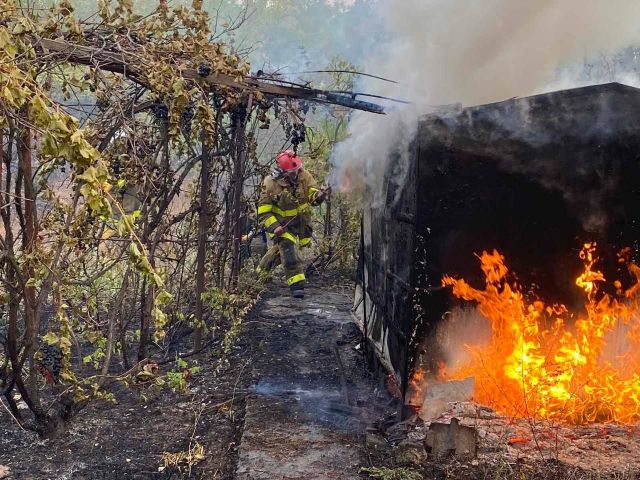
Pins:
x: 126, y: 65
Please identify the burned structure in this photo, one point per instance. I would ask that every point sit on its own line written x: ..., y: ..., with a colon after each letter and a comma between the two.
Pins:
x: 533, y: 177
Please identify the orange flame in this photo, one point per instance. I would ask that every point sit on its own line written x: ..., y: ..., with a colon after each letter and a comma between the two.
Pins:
x: 538, y: 364
x: 417, y: 385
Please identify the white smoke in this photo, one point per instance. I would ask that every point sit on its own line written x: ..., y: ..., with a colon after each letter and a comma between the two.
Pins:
x: 461, y: 330
x: 473, y: 52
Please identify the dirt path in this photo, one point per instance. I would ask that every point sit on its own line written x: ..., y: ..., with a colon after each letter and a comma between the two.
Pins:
x: 312, y: 397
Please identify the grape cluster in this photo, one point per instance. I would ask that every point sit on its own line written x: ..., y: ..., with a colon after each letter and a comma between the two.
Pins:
x: 116, y: 166
x: 161, y: 111
x: 204, y: 70
x: 51, y: 363
x: 186, y: 118
x: 263, y: 116
x: 85, y: 232
x: 238, y: 113
x: 296, y: 133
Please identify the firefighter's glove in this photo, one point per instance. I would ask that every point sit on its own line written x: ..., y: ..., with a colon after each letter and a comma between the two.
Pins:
x: 321, y: 197
x: 279, y: 231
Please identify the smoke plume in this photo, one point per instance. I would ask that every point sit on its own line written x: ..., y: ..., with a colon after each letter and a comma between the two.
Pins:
x: 473, y: 52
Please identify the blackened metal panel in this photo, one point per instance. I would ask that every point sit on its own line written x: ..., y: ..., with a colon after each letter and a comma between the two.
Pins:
x: 386, y: 266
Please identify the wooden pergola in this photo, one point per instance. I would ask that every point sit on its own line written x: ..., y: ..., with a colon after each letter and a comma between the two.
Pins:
x: 119, y: 62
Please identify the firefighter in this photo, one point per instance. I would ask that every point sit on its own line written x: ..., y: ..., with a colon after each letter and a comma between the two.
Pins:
x: 284, y: 210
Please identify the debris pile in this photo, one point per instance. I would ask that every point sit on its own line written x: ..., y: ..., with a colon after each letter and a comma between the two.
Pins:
x: 467, y: 432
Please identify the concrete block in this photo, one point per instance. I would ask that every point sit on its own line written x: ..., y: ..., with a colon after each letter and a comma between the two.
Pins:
x: 439, y: 395
x: 444, y: 439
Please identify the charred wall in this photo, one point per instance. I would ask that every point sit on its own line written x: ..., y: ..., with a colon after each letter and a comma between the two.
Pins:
x: 534, y: 178
x: 385, y: 269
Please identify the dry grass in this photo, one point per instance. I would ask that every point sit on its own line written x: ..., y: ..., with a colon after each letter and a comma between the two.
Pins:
x: 383, y: 473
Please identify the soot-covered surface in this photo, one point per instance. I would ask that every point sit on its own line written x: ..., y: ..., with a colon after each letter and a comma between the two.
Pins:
x: 128, y: 439
x: 534, y: 178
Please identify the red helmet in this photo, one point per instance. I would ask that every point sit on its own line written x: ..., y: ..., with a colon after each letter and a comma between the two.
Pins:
x: 288, y: 161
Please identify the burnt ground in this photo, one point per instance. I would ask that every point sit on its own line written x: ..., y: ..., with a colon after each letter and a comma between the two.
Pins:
x: 292, y: 400
x: 127, y: 440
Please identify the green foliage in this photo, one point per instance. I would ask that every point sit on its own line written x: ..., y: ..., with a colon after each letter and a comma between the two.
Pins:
x: 62, y: 137
x: 178, y: 379
x: 233, y: 306
x: 83, y: 240
x: 119, y: 273
x: 99, y: 344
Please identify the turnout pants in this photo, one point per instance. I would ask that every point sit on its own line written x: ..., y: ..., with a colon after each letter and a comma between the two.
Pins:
x: 286, y: 253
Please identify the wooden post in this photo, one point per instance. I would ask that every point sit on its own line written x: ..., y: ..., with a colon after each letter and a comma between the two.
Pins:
x: 203, y: 225
x: 1, y: 166
x: 32, y: 310
x: 238, y: 186
x: 328, y: 228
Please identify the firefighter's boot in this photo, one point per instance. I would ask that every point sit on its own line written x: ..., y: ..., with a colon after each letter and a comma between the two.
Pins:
x: 297, y: 291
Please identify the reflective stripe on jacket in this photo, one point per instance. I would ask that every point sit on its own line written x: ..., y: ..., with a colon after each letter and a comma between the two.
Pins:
x: 280, y: 201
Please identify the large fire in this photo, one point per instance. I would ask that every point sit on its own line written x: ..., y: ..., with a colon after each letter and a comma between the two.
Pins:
x: 545, y: 361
